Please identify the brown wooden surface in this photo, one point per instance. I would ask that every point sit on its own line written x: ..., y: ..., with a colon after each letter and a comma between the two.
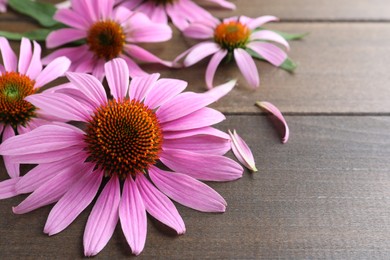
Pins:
x: 323, y: 195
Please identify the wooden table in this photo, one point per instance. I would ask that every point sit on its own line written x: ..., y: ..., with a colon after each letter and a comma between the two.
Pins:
x: 324, y: 194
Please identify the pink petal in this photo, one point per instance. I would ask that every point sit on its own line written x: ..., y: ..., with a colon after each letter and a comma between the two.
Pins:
x: 247, y: 67
x: 144, y: 55
x: 187, y: 191
x: 202, y: 50
x: 35, y: 66
x: 266, y: 35
x: 79, y: 196
x: 224, y: 4
x: 72, y: 19
x: 63, y: 36
x: 159, y: 206
x: 142, y: 29
x: 90, y: 86
x: 98, y: 69
x: 178, y: 19
x: 269, y: 52
x: 72, y: 53
x: 51, y: 191
x: 132, y: 214
x: 163, y: 91
x: 49, y: 157
x: 7, y: 188
x: 259, y: 21
x: 199, y: 31
x: 280, y: 118
x: 103, y: 218
x: 117, y: 75
x: 24, y: 55
x: 134, y: 69
x: 200, y: 118
x: 59, y: 105
x: 208, y: 131
x: 123, y: 13
x: 9, y: 58
x: 13, y: 169
x: 206, y: 167
x: 52, y: 71
x: 141, y: 86
x: 212, y: 67
x: 242, y: 151
x: 104, y: 8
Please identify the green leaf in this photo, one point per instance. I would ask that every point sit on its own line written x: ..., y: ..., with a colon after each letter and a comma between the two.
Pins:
x: 37, y: 35
x: 288, y: 65
x: 42, y: 12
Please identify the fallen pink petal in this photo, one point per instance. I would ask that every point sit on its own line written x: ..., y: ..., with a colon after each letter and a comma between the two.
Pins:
x: 273, y: 110
x: 242, y: 151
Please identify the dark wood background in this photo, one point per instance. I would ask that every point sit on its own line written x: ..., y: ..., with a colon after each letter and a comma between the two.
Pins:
x: 324, y: 194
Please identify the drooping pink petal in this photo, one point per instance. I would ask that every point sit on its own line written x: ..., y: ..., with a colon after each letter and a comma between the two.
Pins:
x: 199, y: 31
x: 140, y: 86
x: 13, y: 168
x: 117, y: 75
x: 132, y: 215
x: 266, y: 35
x: 142, y: 29
x: 163, y: 91
x: 177, y: 18
x: 269, y: 52
x: 9, y: 58
x: 52, y: 71
x: 7, y: 188
x: 223, y: 3
x: 212, y: 67
x: 78, y: 197
x: 51, y: 191
x: 247, y: 67
x: 63, y: 36
x: 159, y: 206
x: 35, y: 66
x: 242, y: 151
x: 202, y: 50
x: 71, y: 19
x: 200, y: 118
x: 144, y: 55
x: 279, y: 116
x: 254, y: 23
x: 103, y: 218
x: 209, y: 131
x: 24, y: 55
x: 206, y: 167
x: 187, y: 191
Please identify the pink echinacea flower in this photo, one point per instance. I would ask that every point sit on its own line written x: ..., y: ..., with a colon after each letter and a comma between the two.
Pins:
x: 181, y: 12
x: 106, y: 33
x: 235, y: 37
x: 147, y: 124
x: 18, y: 80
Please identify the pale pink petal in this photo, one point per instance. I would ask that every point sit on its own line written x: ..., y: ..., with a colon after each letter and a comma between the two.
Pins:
x: 158, y: 15
x: 187, y: 191
x: 2, y: 69
x: 7, y: 188
x: 72, y: 19
x: 83, y: 97
x: 163, y: 91
x: 209, y: 131
x: 48, y: 157
x: 130, y: 4
x: 178, y: 19
x: 279, y: 116
x: 159, y: 206
x: 60, y: 105
x: 88, y: 9
x: 191, y: 11
x: 103, y: 218
x: 269, y: 52
x: 199, y: 31
x: 104, y: 8
x: 140, y: 86
x: 223, y: 3
x: 122, y: 14
x: 35, y: 66
x: 142, y: 29
x: 254, y: 23
x: 78, y: 197
x: 32, y: 124
x: 144, y: 55
x: 72, y: 53
x: 98, y: 70
x: 247, y: 67
x: 134, y: 69
x: 266, y: 35
x: 200, y: 52
x: 64, y: 4
x: 117, y: 75
x: 9, y: 58
x: 242, y: 151
x: 132, y: 214
x: 200, y: 118
x: 206, y: 167
x: 46, y: 171
x: 24, y: 55
x: 51, y: 191
x: 88, y: 85
x: 63, y: 36
x: 212, y: 67
x: 13, y: 168
x: 52, y: 71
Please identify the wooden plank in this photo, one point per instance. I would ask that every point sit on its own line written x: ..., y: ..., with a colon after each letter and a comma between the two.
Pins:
x: 324, y: 194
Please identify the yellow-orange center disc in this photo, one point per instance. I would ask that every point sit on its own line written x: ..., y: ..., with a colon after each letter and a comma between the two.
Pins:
x: 231, y: 35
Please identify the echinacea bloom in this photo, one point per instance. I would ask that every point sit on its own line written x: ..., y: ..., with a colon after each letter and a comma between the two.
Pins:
x: 18, y: 80
x: 242, y: 151
x: 106, y: 33
x: 149, y: 122
x: 234, y: 37
x: 181, y: 12
x: 3, y: 6
x: 274, y: 111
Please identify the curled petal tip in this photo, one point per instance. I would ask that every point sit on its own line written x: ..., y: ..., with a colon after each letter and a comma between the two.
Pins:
x: 270, y: 108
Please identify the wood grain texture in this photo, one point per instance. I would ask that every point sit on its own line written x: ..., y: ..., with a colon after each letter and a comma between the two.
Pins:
x: 324, y: 194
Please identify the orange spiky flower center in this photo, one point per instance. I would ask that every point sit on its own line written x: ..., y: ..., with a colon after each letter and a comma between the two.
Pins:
x: 231, y: 35
x: 124, y: 138
x: 14, y: 110
x: 106, y: 39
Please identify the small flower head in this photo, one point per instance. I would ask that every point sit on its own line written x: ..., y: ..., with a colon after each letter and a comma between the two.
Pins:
x: 231, y: 35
